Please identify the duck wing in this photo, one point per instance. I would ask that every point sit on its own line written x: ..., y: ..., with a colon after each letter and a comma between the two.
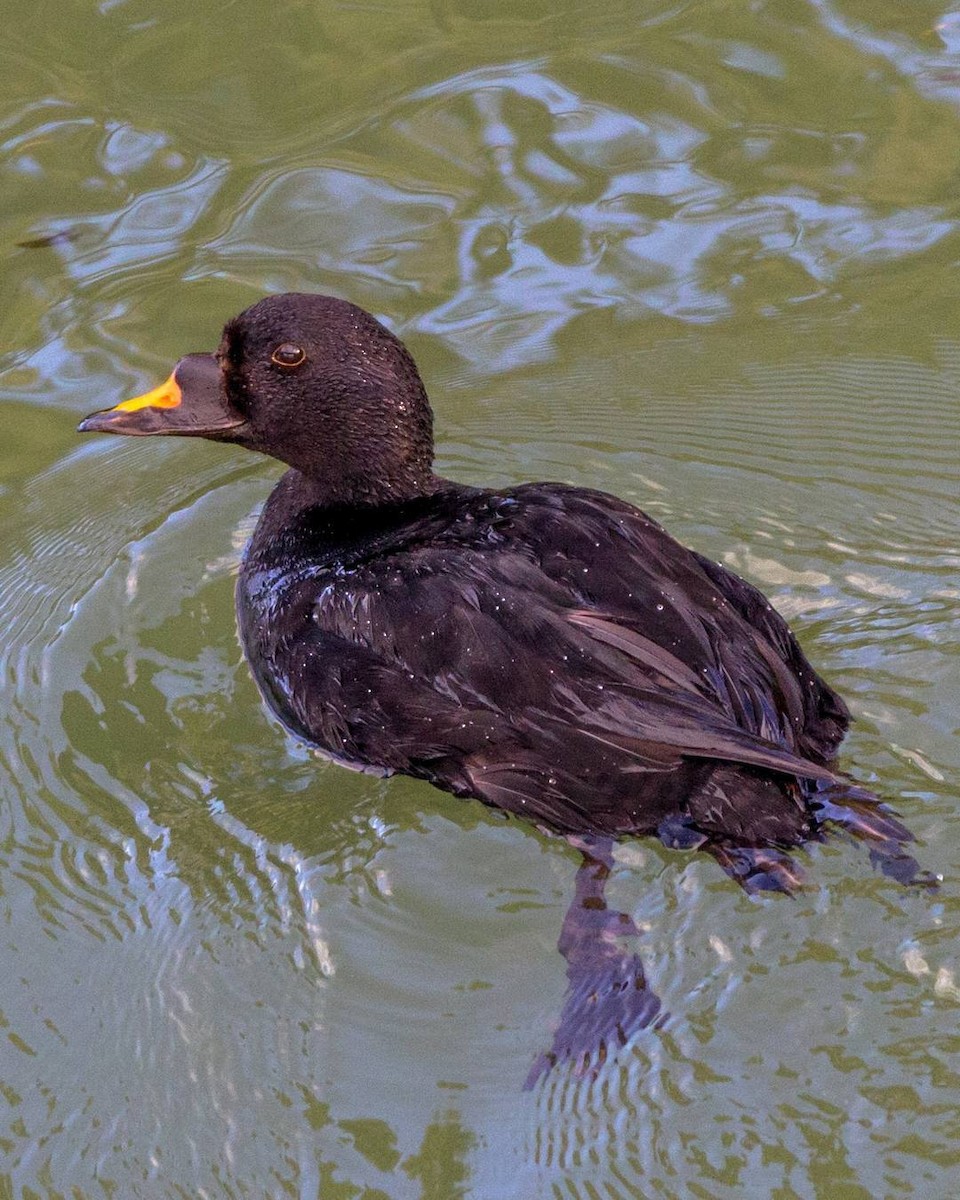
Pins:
x: 667, y: 599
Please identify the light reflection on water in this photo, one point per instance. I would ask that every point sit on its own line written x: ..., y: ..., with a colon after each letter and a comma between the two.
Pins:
x: 699, y: 255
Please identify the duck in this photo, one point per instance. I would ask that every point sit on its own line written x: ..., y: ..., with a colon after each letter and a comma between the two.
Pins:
x: 549, y: 650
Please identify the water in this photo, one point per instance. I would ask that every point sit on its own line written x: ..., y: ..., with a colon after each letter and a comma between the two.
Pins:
x: 702, y: 255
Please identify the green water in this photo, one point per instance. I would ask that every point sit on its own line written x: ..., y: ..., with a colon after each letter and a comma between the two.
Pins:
x: 703, y: 255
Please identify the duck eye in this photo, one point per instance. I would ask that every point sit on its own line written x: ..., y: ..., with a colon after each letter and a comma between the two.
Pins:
x: 288, y: 355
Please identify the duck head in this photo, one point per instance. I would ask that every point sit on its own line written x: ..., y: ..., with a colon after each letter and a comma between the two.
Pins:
x: 310, y: 380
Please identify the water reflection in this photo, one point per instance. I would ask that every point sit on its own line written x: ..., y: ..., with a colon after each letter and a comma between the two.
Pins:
x: 496, y: 205
x: 553, y: 203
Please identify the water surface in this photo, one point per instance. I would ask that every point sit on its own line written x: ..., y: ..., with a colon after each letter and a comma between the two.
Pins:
x: 701, y: 255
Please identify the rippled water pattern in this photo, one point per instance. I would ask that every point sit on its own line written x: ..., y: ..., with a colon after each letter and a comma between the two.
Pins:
x: 699, y: 254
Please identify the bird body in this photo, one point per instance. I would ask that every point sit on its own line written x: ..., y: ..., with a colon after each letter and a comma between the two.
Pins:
x: 550, y: 650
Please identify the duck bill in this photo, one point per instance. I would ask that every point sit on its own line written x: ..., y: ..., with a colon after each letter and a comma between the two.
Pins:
x: 191, y: 403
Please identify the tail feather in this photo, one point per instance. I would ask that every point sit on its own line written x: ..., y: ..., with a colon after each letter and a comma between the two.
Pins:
x: 867, y: 819
x: 749, y: 819
x: 861, y: 815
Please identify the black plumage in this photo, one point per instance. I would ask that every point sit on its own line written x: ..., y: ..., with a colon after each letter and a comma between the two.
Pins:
x: 549, y: 650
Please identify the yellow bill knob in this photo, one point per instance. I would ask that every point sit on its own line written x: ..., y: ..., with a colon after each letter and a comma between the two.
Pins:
x: 167, y: 395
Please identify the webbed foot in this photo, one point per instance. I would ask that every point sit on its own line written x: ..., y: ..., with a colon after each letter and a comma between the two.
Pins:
x: 606, y: 1004
x: 607, y: 999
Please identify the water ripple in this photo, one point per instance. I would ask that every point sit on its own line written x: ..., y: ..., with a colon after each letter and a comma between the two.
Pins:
x: 699, y: 254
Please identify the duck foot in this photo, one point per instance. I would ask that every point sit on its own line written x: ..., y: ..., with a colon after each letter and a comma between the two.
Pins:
x: 759, y: 868
x: 607, y: 999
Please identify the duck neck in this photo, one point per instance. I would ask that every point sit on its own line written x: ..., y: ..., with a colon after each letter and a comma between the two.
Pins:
x: 301, y: 517
x: 361, y: 489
